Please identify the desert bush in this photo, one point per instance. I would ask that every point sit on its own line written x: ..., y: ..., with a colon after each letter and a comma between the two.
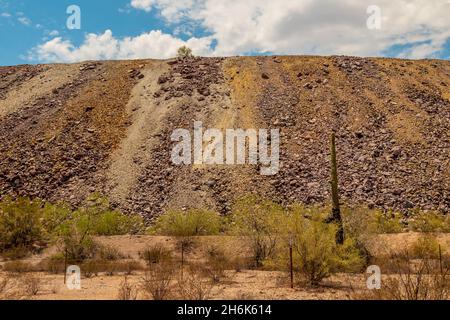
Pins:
x: 362, y: 223
x: 110, y: 223
x: 16, y: 253
x: 194, y: 222
x: 53, y: 264
x: 27, y: 225
x: 20, y: 224
x: 216, y: 263
x: 129, y: 266
x: 184, y: 52
x: 79, y: 245
x: 421, y: 279
x: 18, y: 267
x: 54, y: 217
x: 257, y: 220
x: 96, y: 218
x: 92, y: 267
x: 109, y: 253
x: 155, y: 254
x: 240, y: 263
x: 388, y: 222
x: 192, y: 285
x: 31, y: 284
x: 315, y: 252
x: 127, y: 291
x: 157, y: 281
x: 8, y: 286
x: 430, y: 222
x: 425, y: 247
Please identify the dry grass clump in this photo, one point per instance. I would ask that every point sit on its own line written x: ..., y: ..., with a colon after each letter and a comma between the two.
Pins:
x: 94, y: 267
x: 193, y: 285
x: 155, y: 254
x: 31, y: 284
x: 18, y: 267
x: 157, y: 281
x: 216, y: 264
x: 53, y: 264
x: 5, y: 287
x: 127, y: 291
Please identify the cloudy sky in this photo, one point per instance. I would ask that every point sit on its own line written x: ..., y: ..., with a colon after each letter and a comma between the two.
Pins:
x: 34, y: 31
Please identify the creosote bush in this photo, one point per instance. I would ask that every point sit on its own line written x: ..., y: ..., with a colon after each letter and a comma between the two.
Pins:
x: 430, y: 222
x: 315, y: 252
x: 28, y: 225
x: 257, y: 221
x: 425, y: 247
x: 194, y: 222
x: 20, y: 225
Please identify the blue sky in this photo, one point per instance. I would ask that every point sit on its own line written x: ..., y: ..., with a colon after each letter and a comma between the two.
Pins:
x: 35, y: 31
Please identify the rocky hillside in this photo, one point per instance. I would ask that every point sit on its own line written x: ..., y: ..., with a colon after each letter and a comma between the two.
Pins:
x: 67, y: 131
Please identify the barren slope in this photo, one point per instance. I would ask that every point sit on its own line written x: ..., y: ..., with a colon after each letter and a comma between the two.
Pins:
x: 69, y: 130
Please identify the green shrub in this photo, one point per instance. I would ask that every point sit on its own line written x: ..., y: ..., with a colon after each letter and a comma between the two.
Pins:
x: 389, y: 222
x: 20, y: 224
x: 315, y: 252
x: 257, y: 221
x: 184, y: 52
x: 194, y: 222
x: 97, y: 218
x: 430, y: 222
x: 110, y: 223
x: 426, y: 247
x: 54, y: 217
x: 79, y: 244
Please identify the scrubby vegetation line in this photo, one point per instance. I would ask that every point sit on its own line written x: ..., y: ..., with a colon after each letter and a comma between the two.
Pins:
x: 262, y: 231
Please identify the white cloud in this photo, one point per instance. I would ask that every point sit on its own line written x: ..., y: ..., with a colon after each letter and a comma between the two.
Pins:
x: 24, y: 20
x: 53, y: 33
x: 143, y: 4
x: 153, y: 44
x: 5, y: 15
x: 312, y: 26
x: 420, y: 27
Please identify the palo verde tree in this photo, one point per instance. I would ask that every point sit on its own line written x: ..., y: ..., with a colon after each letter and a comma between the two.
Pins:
x: 184, y: 52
